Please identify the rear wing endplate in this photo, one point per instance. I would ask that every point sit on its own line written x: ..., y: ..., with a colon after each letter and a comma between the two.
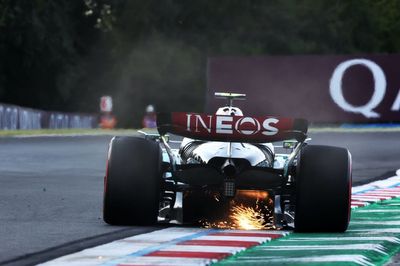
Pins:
x: 232, y: 128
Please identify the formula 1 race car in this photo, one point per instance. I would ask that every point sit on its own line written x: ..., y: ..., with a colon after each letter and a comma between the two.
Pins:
x: 223, y: 158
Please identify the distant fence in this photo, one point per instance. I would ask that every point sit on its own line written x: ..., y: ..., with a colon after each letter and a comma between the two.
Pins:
x: 15, y: 117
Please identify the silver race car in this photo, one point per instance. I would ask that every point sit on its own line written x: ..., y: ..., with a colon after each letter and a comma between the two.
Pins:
x: 224, y: 160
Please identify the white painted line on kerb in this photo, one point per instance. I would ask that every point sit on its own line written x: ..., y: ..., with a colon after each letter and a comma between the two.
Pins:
x: 235, y: 238
x: 381, y: 184
x: 194, y: 248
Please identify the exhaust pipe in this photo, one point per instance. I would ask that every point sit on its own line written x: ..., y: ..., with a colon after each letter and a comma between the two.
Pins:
x: 229, y: 168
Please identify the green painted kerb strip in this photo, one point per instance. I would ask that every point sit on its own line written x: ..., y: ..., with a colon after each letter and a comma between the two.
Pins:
x: 372, y: 239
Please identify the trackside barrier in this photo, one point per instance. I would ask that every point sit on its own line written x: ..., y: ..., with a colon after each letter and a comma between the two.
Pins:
x: 62, y: 120
x: 29, y: 119
x: 15, y: 117
x: 8, y: 117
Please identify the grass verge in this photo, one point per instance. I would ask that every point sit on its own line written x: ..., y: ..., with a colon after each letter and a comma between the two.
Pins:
x: 72, y: 131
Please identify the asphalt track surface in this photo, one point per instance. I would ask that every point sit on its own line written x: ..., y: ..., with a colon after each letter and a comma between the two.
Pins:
x: 51, y: 190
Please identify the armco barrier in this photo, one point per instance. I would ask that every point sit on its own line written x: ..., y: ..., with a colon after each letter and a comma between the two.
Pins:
x: 62, y: 120
x: 8, y: 117
x: 29, y: 119
x: 15, y: 117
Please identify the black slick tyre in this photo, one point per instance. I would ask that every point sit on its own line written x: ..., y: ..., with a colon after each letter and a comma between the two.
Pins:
x: 323, y: 189
x: 132, y: 182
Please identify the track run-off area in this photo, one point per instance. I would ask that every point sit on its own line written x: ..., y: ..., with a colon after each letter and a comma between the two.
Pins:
x: 51, y: 200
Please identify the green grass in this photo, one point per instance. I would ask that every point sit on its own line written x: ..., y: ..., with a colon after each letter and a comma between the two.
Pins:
x: 96, y: 131
x: 352, y: 130
x: 5, y: 133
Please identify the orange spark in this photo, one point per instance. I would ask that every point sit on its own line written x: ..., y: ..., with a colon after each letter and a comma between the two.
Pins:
x: 256, y: 216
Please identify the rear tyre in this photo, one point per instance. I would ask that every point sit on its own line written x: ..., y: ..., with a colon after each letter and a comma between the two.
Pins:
x: 323, y: 187
x: 132, y: 182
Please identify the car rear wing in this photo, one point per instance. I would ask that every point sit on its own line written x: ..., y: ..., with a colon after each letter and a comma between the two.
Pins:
x: 232, y: 128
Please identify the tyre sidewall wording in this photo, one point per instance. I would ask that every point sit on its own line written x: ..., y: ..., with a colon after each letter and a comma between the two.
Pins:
x: 132, y: 183
x: 323, y: 189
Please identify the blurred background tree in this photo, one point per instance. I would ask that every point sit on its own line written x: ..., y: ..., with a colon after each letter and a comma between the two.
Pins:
x: 63, y: 55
